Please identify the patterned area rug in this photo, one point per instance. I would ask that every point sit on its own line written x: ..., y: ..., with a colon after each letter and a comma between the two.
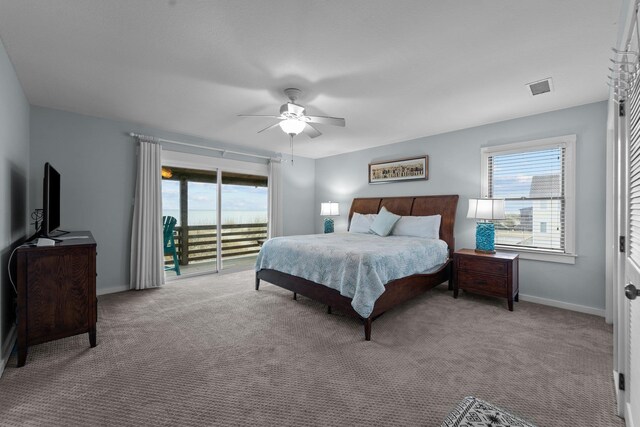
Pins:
x: 473, y: 412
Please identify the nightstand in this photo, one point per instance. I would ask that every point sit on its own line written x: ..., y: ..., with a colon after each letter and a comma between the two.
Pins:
x: 487, y: 274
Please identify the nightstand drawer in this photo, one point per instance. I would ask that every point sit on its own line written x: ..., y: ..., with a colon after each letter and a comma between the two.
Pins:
x: 482, y: 265
x: 482, y: 282
x: 486, y: 274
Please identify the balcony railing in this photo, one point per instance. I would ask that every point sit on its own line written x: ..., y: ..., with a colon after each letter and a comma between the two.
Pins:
x: 197, y: 243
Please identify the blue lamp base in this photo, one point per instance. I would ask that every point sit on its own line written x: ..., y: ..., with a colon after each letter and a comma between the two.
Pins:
x: 328, y: 225
x: 485, y: 238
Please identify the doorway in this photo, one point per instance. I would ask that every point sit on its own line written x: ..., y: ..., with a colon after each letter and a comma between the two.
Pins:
x: 221, y: 215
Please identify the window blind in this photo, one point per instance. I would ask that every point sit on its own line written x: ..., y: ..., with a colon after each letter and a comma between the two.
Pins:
x: 634, y: 172
x: 532, y: 183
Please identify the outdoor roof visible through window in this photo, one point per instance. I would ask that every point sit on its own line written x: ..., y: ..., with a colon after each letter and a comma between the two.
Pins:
x: 233, y: 178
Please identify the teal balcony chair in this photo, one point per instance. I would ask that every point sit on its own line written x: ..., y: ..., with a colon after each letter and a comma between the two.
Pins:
x: 169, y: 224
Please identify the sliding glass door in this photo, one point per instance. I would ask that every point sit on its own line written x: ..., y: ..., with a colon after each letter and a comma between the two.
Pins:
x: 221, y: 217
x: 191, y: 196
x: 244, y: 200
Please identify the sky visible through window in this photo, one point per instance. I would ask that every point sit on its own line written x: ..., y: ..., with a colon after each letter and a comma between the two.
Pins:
x: 513, y: 173
x: 240, y: 203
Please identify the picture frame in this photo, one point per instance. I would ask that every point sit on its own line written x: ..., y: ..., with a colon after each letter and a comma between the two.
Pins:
x: 416, y: 168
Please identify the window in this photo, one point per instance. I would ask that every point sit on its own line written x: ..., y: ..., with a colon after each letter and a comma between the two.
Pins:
x: 536, y: 180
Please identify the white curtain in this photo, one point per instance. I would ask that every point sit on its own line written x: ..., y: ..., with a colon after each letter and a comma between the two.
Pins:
x: 275, y: 199
x: 147, y: 256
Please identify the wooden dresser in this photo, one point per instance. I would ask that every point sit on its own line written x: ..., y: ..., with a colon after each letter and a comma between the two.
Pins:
x: 486, y: 274
x: 56, y: 291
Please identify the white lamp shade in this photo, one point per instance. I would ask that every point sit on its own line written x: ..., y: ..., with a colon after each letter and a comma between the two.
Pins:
x: 329, y: 209
x: 486, y: 209
x: 292, y: 126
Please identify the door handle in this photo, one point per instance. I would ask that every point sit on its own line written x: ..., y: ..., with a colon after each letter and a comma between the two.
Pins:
x: 631, y: 291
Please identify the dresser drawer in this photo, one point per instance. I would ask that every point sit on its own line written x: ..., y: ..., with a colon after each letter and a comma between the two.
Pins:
x: 485, y: 283
x: 482, y: 265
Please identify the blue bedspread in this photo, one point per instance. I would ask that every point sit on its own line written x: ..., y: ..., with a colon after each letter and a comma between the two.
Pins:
x: 357, y: 265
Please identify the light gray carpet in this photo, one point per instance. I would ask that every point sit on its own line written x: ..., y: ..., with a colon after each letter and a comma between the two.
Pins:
x: 212, y: 351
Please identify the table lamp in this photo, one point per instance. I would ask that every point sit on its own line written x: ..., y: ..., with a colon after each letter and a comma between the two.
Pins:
x: 486, y: 210
x: 328, y: 209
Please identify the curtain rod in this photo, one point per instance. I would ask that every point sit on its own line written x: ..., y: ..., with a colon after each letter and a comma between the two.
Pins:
x: 204, y: 147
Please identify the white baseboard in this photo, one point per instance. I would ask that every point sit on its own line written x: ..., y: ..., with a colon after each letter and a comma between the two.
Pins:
x: 628, y: 417
x: 111, y: 290
x: 8, y: 346
x: 566, y: 305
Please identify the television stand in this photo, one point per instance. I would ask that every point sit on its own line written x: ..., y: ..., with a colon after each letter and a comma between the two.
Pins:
x: 57, y: 233
x: 56, y: 291
x: 52, y: 236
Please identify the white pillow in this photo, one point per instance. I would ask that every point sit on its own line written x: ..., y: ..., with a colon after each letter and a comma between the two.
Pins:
x: 361, y: 223
x: 418, y: 226
x: 384, y: 222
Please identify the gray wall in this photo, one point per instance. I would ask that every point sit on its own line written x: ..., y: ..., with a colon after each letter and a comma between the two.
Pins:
x: 96, y: 161
x: 299, y: 207
x: 454, y: 168
x: 14, y: 172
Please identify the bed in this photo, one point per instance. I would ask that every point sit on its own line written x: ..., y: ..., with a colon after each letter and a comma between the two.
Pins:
x: 387, y: 294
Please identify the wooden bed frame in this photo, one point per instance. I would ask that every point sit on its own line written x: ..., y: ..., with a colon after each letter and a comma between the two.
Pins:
x: 397, y: 291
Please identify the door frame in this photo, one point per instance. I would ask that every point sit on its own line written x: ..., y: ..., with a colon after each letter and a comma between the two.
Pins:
x: 615, y: 259
x: 617, y: 200
x: 219, y: 165
x: 620, y: 306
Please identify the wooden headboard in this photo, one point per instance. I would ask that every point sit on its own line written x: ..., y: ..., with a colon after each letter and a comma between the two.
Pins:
x: 415, y: 206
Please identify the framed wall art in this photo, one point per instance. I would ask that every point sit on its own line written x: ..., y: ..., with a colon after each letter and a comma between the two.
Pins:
x: 399, y: 170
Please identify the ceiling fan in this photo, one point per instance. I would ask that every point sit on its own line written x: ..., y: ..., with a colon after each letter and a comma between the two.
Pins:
x: 293, y: 119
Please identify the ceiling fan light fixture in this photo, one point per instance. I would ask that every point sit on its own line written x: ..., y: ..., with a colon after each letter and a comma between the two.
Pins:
x: 292, y: 126
x: 294, y: 120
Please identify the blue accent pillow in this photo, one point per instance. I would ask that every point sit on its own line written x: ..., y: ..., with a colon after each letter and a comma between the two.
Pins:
x: 384, y: 222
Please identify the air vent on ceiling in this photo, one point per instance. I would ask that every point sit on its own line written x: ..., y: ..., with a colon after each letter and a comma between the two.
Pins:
x: 540, y: 87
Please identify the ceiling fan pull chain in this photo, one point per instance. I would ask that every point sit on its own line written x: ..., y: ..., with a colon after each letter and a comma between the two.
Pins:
x: 291, y: 143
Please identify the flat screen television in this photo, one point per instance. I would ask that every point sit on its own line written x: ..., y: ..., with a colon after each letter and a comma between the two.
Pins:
x: 50, y: 201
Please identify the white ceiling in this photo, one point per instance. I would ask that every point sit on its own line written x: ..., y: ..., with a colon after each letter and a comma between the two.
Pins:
x: 396, y: 70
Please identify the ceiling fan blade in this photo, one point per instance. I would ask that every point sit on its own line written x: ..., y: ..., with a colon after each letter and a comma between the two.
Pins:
x: 311, y: 131
x: 324, y: 120
x: 260, y: 115
x: 269, y: 127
